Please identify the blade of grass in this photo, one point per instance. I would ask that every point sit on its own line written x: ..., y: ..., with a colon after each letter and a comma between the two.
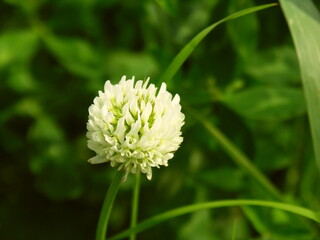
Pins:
x: 303, y: 19
x: 216, y: 204
x: 188, y: 49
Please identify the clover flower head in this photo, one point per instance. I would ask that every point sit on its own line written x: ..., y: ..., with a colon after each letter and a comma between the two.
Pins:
x: 134, y: 127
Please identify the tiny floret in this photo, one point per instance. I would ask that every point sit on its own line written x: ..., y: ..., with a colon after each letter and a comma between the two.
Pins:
x: 134, y: 126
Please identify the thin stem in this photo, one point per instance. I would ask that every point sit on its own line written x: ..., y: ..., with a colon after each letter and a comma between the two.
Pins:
x: 135, y: 205
x: 234, y: 229
x: 153, y: 221
x: 107, y: 206
x: 238, y: 157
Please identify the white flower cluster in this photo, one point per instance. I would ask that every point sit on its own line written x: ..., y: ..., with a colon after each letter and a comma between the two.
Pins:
x: 134, y: 127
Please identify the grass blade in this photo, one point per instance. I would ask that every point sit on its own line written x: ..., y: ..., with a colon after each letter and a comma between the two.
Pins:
x: 304, y: 22
x: 188, y: 49
x: 216, y: 204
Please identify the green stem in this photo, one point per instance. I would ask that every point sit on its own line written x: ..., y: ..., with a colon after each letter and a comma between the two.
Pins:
x: 237, y: 155
x: 234, y: 230
x: 107, y: 206
x: 135, y: 205
x: 146, y: 224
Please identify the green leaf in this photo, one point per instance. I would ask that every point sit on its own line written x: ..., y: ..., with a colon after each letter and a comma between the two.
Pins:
x: 198, y: 227
x: 21, y: 79
x: 200, y: 223
x: 254, y: 216
x: 76, y: 55
x: 304, y: 22
x: 17, y: 47
x: 277, y: 224
x: 278, y: 155
x: 225, y: 178
x: 45, y: 129
x: 169, y: 6
x: 121, y: 63
x: 27, y: 5
x: 267, y: 103
x: 274, y: 67
x: 198, y: 96
x: 52, y: 161
x: 28, y: 106
x: 188, y: 49
x: 48, y: 141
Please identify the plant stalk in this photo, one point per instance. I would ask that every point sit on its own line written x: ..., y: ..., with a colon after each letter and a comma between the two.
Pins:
x: 135, y: 205
x: 107, y: 206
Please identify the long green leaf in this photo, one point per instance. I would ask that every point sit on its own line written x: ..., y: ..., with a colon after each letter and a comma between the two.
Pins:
x: 216, y: 204
x: 304, y: 22
x: 187, y: 50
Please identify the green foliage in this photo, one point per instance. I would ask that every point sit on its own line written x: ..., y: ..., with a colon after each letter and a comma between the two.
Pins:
x: 274, y: 67
x: 196, y: 207
x: 266, y: 103
x: 76, y: 55
x: 242, y: 77
x: 243, y: 32
x: 188, y: 49
x: 17, y: 47
x: 306, y: 42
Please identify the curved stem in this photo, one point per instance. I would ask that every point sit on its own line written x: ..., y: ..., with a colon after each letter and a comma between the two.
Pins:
x: 216, y: 204
x: 135, y: 205
x: 107, y: 206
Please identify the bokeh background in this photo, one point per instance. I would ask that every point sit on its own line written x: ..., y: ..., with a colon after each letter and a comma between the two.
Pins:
x: 244, y: 77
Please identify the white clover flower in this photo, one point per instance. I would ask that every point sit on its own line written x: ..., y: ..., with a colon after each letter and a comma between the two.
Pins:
x: 133, y: 127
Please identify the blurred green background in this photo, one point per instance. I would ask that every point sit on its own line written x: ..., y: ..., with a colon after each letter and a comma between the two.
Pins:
x: 244, y: 77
